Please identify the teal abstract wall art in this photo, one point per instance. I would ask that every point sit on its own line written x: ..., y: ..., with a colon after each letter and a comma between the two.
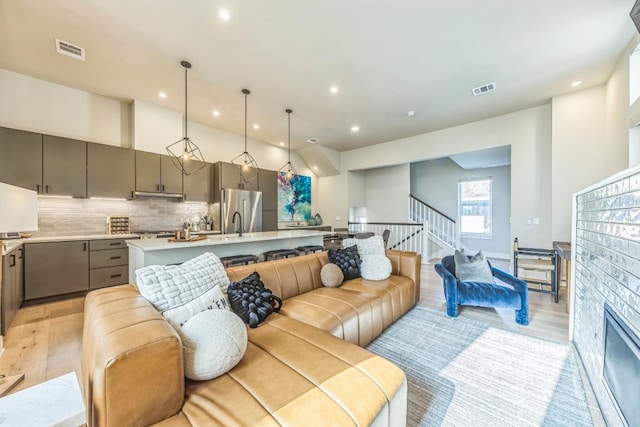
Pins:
x: 294, y: 198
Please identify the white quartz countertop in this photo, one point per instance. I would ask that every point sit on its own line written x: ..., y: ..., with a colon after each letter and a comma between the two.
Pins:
x: 9, y: 246
x: 223, y: 239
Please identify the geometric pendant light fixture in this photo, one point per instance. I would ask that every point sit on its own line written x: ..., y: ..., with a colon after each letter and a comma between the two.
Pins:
x: 245, y: 164
x: 287, y: 169
x: 184, y: 153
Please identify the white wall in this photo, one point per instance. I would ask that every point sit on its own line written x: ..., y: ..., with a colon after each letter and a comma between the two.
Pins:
x: 617, y: 117
x: 386, y: 193
x: 529, y: 134
x: 436, y: 183
x: 39, y: 106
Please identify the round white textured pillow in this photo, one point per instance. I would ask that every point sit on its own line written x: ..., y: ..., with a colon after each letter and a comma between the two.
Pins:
x: 213, y: 342
x: 375, y: 267
x: 331, y: 275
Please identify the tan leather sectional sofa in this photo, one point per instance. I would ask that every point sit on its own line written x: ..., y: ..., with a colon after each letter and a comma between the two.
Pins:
x: 293, y: 373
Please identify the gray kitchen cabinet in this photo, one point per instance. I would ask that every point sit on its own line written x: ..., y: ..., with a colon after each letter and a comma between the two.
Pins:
x: 55, y: 268
x: 64, y: 166
x: 269, y: 220
x: 12, y: 282
x: 155, y: 173
x: 21, y: 158
x: 108, y: 263
x: 268, y: 184
x: 111, y: 171
x: 226, y: 175
x: 197, y: 186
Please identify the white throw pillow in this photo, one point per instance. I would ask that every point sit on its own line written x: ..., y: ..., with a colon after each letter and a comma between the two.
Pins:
x: 375, y: 267
x: 212, y: 299
x: 213, y: 342
x: 167, y: 286
x: 373, y: 245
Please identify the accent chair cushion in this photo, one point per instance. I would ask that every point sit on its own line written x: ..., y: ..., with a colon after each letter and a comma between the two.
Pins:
x: 331, y: 275
x: 348, y: 260
x: 474, y: 269
x: 213, y: 342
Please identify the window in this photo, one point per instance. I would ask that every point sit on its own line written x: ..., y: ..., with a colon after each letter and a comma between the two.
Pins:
x: 474, y: 207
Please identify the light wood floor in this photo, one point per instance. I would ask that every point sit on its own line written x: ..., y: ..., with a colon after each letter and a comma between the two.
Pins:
x: 45, y: 340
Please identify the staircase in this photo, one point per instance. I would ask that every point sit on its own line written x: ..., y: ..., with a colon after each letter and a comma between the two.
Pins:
x: 442, y: 230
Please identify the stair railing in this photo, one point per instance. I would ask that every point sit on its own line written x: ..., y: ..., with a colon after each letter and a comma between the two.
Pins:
x: 439, y: 225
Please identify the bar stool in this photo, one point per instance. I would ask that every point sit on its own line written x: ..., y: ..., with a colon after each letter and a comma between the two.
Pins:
x: 229, y: 261
x: 310, y: 249
x: 279, y: 253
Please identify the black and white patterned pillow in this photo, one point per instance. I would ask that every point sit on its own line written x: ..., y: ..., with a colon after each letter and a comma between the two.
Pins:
x: 348, y: 260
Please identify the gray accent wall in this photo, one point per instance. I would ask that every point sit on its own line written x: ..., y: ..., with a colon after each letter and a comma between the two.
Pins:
x: 606, y: 258
x: 436, y: 183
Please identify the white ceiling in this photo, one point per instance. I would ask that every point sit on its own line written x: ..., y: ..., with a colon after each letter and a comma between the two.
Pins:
x: 386, y: 57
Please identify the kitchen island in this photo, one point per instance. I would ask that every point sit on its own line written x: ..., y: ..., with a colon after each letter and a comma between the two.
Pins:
x: 146, y: 252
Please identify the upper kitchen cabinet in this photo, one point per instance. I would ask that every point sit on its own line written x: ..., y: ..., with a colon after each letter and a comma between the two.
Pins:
x: 226, y: 175
x: 268, y: 184
x: 155, y: 173
x: 21, y: 158
x: 64, y: 166
x: 197, y: 186
x: 111, y: 171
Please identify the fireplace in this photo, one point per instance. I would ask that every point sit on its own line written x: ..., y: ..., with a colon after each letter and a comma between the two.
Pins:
x: 621, y: 372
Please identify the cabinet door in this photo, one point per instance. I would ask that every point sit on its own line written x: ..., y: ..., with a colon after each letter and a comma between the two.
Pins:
x: 55, y: 268
x: 8, y: 294
x: 171, y: 176
x: 269, y: 220
x: 110, y: 171
x: 268, y: 184
x: 197, y: 186
x: 64, y: 166
x: 147, y: 172
x: 21, y: 158
x: 228, y: 176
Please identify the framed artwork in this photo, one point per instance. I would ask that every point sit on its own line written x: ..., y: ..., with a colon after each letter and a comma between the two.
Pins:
x: 294, y: 198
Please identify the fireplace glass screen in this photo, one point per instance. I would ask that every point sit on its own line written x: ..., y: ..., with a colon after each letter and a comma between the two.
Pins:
x: 622, y: 366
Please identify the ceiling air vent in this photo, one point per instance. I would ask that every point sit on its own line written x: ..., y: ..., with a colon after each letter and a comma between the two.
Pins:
x: 69, y: 49
x: 483, y: 89
x: 312, y: 140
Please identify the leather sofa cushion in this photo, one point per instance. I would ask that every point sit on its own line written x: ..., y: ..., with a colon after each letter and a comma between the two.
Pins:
x: 291, y: 370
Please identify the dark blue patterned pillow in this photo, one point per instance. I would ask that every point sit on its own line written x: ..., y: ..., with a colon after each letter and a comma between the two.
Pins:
x: 348, y: 260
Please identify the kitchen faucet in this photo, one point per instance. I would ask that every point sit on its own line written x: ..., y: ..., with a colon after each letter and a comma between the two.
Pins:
x: 233, y: 221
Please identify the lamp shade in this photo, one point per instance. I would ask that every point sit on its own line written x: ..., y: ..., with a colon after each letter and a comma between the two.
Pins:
x: 19, y: 211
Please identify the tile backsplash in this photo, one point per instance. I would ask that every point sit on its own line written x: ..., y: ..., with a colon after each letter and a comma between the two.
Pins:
x: 61, y: 216
x: 607, y: 270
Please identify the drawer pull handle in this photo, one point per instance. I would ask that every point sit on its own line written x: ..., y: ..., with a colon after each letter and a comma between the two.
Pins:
x: 116, y: 257
x: 113, y: 276
x: 115, y: 244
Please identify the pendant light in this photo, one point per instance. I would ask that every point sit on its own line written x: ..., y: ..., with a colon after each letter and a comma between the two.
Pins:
x: 184, y: 153
x: 287, y: 169
x: 245, y: 164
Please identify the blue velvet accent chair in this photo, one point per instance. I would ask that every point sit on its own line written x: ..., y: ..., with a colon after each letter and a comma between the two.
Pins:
x: 511, y: 292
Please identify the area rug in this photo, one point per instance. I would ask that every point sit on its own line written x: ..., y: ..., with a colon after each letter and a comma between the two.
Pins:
x: 461, y: 372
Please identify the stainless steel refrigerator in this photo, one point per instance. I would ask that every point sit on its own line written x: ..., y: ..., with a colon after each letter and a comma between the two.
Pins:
x: 247, y: 203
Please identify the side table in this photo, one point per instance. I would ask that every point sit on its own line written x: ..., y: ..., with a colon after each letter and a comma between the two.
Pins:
x: 563, y: 251
x: 57, y: 402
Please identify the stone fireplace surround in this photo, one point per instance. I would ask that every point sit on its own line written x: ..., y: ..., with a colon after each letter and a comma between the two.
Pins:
x: 606, y: 264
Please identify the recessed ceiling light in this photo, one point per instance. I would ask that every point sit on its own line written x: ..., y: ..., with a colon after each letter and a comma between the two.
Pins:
x: 315, y: 168
x: 256, y: 126
x: 215, y: 113
x: 312, y: 140
x: 224, y: 14
x: 334, y: 89
x: 355, y: 128
x: 411, y: 113
x: 281, y: 144
x: 162, y: 95
x: 576, y: 83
